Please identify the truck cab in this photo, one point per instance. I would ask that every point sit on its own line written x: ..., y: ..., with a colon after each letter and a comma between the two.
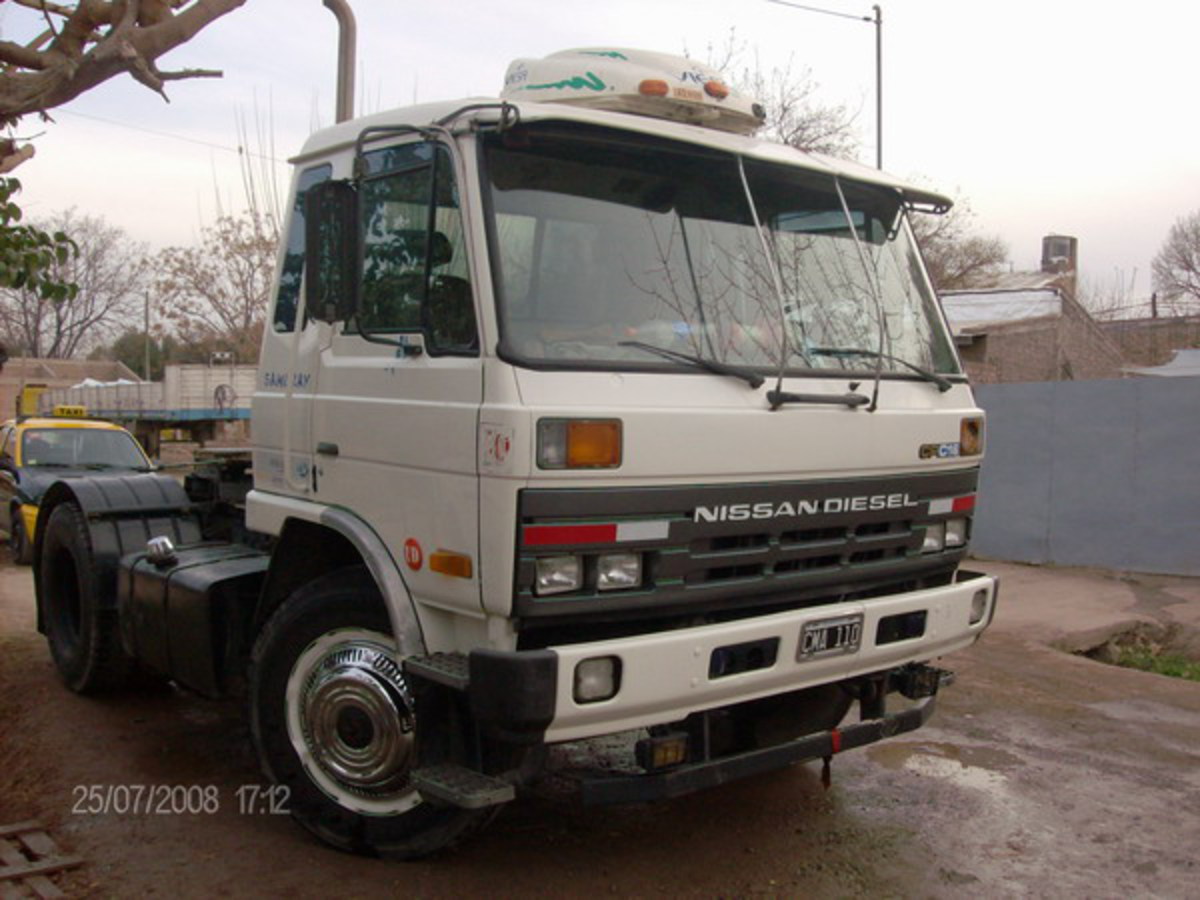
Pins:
x: 582, y: 411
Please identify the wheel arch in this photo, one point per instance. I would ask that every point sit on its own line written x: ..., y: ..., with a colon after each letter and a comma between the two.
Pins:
x: 309, y: 548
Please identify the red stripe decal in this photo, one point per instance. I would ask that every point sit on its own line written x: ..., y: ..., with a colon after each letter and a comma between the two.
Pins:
x: 963, y: 504
x: 836, y: 738
x: 543, y: 535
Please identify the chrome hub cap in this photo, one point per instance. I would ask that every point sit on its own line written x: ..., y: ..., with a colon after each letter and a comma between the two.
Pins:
x: 350, y: 720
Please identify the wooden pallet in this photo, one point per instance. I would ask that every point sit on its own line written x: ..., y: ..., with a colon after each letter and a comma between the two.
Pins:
x: 27, y: 855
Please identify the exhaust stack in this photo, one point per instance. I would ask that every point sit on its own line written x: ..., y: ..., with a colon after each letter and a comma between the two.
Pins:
x: 347, y: 41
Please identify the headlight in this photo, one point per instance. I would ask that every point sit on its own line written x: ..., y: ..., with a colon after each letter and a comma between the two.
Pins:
x: 558, y: 574
x: 935, y: 538
x: 617, y: 571
x: 956, y: 532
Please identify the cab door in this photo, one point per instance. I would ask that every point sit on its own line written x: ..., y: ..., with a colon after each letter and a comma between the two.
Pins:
x: 397, y: 393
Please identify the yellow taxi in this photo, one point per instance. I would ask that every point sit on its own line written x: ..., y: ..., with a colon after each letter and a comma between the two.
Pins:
x: 37, y: 451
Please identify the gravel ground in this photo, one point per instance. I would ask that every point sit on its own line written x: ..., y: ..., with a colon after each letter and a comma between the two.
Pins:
x: 1042, y: 774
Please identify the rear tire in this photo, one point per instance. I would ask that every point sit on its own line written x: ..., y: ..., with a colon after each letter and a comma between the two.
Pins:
x: 81, y: 626
x: 18, y: 541
x: 332, y: 722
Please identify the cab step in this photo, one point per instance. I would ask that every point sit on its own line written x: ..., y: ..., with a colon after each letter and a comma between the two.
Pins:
x: 451, y: 670
x: 461, y: 787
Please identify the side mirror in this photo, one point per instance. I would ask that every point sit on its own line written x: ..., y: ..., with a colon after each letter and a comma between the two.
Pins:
x: 331, y: 255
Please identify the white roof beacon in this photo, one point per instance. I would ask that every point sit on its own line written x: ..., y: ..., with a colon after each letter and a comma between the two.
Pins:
x: 635, y: 81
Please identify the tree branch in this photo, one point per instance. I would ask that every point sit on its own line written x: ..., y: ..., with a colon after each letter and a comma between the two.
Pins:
x: 22, y: 57
x: 70, y: 68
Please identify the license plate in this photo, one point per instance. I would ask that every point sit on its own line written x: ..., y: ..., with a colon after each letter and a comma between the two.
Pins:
x: 830, y: 637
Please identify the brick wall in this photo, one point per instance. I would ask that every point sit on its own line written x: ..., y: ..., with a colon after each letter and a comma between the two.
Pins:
x: 1152, y: 342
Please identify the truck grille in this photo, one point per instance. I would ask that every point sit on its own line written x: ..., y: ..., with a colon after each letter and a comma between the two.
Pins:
x: 726, y: 551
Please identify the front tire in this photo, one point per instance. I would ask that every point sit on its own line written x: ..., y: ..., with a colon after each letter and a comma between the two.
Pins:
x: 18, y: 541
x: 333, y: 723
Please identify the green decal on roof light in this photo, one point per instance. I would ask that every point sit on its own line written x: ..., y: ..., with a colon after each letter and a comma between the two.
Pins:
x: 588, y: 80
x: 611, y: 54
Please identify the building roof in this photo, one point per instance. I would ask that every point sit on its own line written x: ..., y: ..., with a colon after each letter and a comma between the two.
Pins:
x: 1185, y: 363
x: 29, y: 369
x: 976, y: 308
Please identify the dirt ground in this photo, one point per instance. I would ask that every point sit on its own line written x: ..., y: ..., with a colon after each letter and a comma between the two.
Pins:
x: 1041, y: 774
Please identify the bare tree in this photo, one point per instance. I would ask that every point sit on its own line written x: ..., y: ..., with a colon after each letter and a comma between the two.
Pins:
x: 956, y: 257
x: 85, y: 44
x: 217, y: 292
x: 795, y: 115
x: 1176, y: 267
x: 77, y: 46
x: 108, y: 270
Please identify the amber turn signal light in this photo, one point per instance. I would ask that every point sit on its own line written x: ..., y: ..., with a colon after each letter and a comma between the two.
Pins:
x: 579, y: 444
x: 970, y: 436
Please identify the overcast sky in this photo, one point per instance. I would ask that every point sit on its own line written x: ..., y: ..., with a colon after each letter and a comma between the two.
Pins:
x: 1070, y: 117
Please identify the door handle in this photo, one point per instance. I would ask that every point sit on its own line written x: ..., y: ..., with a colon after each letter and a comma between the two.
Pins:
x: 327, y: 448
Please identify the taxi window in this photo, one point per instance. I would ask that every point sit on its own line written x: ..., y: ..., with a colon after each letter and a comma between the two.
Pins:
x: 91, y: 448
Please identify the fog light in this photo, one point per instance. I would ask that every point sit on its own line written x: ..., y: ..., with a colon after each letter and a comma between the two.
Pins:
x: 662, y: 751
x: 618, y: 571
x: 935, y: 538
x: 558, y: 574
x: 956, y: 532
x: 597, y: 679
x: 978, y: 607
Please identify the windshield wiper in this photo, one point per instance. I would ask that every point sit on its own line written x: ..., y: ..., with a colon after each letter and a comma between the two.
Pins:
x: 943, y: 384
x: 851, y: 399
x: 709, y: 365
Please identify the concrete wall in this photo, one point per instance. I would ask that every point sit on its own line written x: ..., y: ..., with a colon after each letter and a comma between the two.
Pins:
x: 1103, y: 473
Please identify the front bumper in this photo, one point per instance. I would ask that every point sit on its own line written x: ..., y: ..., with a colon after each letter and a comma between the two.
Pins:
x: 529, y: 696
x: 666, y: 676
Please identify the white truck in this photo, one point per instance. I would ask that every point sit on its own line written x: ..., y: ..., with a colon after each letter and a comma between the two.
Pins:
x: 581, y: 411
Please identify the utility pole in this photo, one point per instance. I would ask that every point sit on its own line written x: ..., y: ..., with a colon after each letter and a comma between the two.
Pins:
x: 877, y: 21
x: 878, y: 86
x: 146, y: 341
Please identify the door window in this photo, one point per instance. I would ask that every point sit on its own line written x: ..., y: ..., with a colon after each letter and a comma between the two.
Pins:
x: 290, y: 275
x: 414, y: 273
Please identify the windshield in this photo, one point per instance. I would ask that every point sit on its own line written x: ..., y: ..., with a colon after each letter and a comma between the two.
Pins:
x: 81, y: 447
x: 605, y: 240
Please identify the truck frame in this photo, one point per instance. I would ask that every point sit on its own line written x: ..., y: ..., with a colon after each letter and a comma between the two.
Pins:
x: 572, y: 419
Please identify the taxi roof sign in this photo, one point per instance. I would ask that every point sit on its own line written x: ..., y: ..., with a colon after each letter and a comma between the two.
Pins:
x: 69, y: 411
x: 635, y: 81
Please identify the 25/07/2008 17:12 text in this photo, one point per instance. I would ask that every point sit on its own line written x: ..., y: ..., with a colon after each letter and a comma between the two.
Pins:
x: 176, y: 799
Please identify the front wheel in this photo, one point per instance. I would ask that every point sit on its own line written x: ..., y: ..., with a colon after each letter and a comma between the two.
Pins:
x: 18, y: 541
x: 332, y: 720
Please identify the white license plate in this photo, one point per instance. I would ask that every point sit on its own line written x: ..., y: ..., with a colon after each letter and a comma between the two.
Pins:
x: 830, y: 637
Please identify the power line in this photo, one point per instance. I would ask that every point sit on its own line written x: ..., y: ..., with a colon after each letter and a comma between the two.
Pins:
x: 240, y: 151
